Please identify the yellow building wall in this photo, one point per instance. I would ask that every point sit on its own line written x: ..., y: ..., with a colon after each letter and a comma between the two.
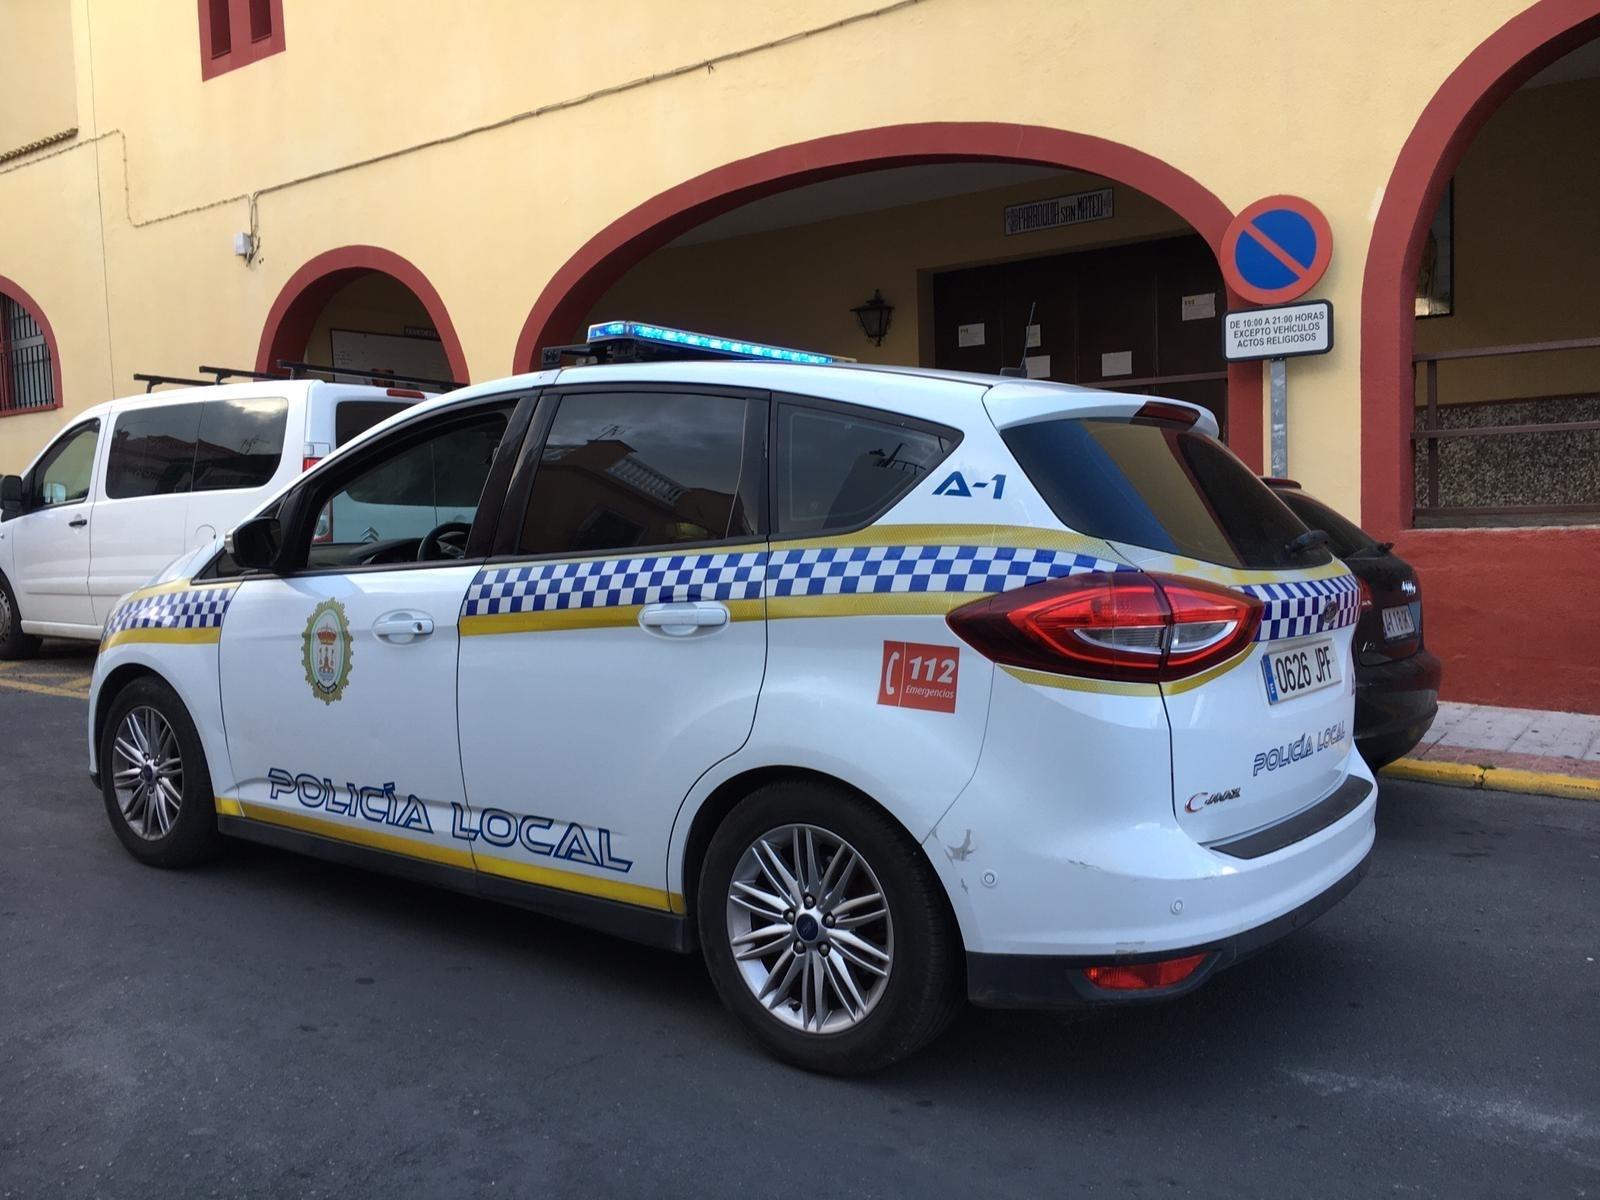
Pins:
x: 36, y: 64
x: 1527, y: 249
x: 796, y: 286
x: 487, y: 143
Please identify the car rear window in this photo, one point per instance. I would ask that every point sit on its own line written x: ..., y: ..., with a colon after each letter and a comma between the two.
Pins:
x: 1159, y: 485
x: 354, y: 417
x: 1345, y: 537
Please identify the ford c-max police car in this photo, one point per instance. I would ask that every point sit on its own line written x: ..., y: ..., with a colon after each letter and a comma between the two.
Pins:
x: 881, y: 687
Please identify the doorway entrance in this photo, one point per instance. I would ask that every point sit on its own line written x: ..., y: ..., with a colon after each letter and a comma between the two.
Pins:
x: 1143, y: 317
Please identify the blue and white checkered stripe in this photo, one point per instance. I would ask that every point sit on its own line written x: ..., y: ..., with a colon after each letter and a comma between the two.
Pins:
x: 602, y: 583
x: 863, y: 570
x: 1296, y: 609
x: 807, y: 571
x: 196, y: 608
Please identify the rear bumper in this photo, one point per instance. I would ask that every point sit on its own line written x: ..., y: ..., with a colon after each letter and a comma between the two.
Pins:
x: 1058, y: 981
x: 1395, y: 705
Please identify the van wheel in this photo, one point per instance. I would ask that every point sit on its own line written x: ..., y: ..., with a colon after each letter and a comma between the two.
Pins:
x: 14, y: 644
x: 825, y: 930
x: 154, y: 777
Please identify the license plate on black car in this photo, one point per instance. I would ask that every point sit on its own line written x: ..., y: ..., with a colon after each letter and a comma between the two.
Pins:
x: 1398, y: 623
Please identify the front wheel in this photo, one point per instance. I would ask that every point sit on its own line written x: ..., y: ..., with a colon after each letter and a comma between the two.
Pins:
x: 154, y: 777
x: 14, y: 644
x: 826, y: 931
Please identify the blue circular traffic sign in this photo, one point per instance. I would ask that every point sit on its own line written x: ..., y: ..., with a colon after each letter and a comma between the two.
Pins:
x: 1276, y: 249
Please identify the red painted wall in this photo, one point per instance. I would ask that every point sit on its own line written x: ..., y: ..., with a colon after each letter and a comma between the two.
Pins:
x: 1512, y: 613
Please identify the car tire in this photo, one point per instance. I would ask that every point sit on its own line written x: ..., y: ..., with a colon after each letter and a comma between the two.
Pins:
x: 148, y: 726
x: 14, y: 644
x: 889, y: 1017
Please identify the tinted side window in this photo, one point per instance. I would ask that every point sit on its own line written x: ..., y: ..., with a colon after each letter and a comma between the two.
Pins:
x: 241, y: 442
x: 353, y: 417
x: 152, y: 451
x: 624, y: 469
x: 63, y: 475
x: 838, y: 471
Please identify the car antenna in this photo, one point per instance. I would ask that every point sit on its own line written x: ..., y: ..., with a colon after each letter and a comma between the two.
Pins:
x: 1020, y: 371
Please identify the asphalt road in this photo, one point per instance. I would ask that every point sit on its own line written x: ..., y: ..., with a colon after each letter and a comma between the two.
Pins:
x: 270, y: 1026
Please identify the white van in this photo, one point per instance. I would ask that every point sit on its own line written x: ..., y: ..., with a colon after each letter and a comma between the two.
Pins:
x: 133, y: 483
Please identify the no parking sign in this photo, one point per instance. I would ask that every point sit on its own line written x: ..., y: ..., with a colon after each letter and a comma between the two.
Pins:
x: 1276, y: 250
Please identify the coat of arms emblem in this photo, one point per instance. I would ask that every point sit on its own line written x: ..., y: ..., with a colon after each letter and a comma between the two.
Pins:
x: 326, y: 651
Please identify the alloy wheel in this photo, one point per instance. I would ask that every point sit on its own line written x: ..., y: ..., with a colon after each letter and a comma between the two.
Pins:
x: 147, y: 773
x: 810, y: 929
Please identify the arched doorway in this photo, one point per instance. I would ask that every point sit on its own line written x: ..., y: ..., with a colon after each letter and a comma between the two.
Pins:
x: 1523, y: 47
x: 1495, y: 360
x: 568, y: 300
x: 367, y: 312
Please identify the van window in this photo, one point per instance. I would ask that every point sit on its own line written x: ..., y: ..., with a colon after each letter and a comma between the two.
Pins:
x: 629, y: 469
x: 241, y: 443
x: 1161, y: 486
x: 837, y: 470
x: 352, y: 418
x: 152, y: 451
x: 63, y: 474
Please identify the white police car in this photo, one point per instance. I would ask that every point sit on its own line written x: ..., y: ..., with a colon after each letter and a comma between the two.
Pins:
x: 882, y: 687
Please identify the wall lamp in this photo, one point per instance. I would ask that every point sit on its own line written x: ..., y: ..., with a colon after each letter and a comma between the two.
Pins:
x: 874, y: 317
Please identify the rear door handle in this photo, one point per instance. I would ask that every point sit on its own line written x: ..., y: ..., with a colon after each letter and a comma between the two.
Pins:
x: 402, y: 627
x: 78, y: 522
x: 682, y: 620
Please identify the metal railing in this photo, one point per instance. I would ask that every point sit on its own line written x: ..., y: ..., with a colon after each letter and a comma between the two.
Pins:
x: 1431, y: 434
x: 27, y: 381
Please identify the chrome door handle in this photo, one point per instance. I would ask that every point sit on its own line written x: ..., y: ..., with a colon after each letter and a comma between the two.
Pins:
x: 402, y: 627
x: 78, y: 522
x: 681, y: 620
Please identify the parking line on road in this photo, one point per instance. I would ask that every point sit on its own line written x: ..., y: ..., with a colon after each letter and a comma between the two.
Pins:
x: 1489, y: 778
x: 45, y: 689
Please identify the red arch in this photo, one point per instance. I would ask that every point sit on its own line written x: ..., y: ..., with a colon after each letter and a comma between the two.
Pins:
x: 294, y: 313
x: 607, y: 256
x: 9, y: 287
x: 1517, y: 51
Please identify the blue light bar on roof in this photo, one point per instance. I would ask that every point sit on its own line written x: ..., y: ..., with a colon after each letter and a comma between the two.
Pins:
x: 661, y: 335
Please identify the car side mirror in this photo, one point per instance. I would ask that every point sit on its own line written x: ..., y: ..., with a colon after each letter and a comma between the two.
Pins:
x: 255, y: 544
x: 10, y: 496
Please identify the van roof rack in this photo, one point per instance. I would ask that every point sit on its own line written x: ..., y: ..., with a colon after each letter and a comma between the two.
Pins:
x: 641, y: 341
x: 226, y: 373
x: 298, y: 370
x: 152, y: 382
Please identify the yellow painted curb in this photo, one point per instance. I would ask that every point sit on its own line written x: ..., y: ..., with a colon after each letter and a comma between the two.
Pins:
x: 1495, y: 779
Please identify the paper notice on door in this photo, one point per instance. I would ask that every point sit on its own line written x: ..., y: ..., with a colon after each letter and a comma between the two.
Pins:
x: 1038, y: 366
x: 1118, y: 362
x: 1199, y: 308
x: 970, y: 335
x: 1031, y: 341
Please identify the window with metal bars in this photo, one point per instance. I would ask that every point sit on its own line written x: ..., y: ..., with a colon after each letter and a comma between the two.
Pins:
x: 235, y: 33
x: 27, y: 381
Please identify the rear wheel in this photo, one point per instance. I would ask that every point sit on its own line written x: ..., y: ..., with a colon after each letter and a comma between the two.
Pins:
x: 14, y: 644
x: 826, y: 931
x: 154, y: 778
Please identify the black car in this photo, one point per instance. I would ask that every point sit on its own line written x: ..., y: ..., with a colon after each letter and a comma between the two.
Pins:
x: 1397, y: 680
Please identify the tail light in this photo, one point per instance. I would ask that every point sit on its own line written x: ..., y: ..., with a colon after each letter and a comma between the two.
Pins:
x: 1366, y: 593
x: 1136, y: 977
x: 1129, y: 626
x: 308, y: 462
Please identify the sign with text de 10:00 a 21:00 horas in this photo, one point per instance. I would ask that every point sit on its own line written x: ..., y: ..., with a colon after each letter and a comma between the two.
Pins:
x: 1287, y: 331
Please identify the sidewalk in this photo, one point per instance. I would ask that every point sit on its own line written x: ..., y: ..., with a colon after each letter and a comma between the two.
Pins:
x: 1509, y: 749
